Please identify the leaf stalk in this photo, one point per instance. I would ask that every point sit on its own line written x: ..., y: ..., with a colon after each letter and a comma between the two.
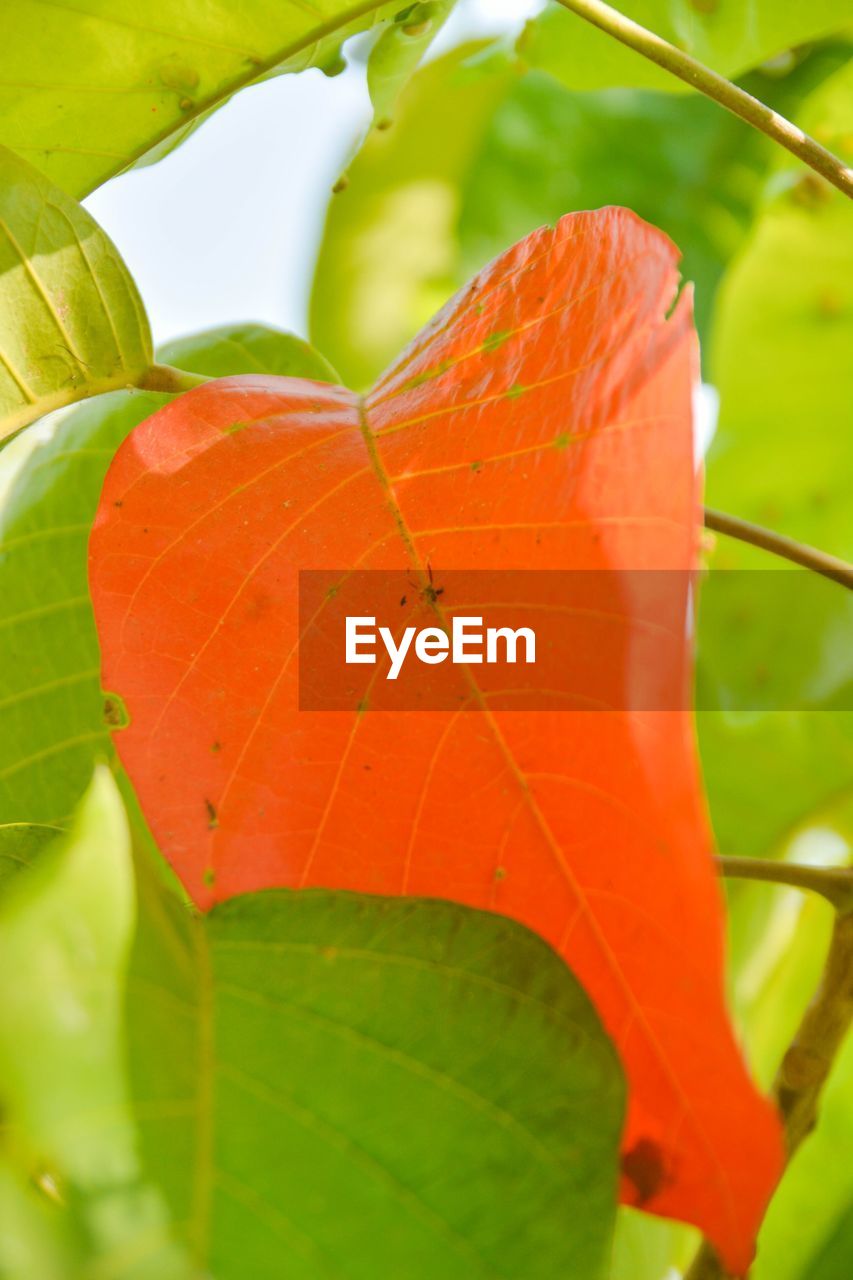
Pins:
x: 164, y: 377
x: 833, y: 883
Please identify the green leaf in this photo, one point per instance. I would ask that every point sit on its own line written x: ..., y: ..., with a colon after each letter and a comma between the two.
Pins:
x: 649, y: 1248
x: 67, y: 940
x: 71, y: 321
x: 806, y: 1220
x: 56, y: 722
x: 397, y: 52
x: 780, y: 357
x: 782, y: 338
x: 835, y: 1259
x: 87, y: 90
x: 481, y: 155
x: 781, y: 783
x: 66, y: 929
x: 372, y: 1087
x: 20, y: 845
x: 729, y: 38
x: 33, y: 1242
x: 390, y: 254
x: 686, y: 166
x: 247, y: 348
x: 364, y: 1086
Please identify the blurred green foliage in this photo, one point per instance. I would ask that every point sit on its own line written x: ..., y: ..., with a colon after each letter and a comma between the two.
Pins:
x: 223, y: 1103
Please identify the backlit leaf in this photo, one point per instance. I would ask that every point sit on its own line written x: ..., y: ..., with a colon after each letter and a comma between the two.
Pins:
x: 481, y: 154
x: 55, y: 720
x: 397, y: 52
x: 541, y: 421
x: 66, y: 928
x: 783, y: 457
x: 107, y: 81
x: 71, y: 321
x: 247, y: 348
x: 390, y: 252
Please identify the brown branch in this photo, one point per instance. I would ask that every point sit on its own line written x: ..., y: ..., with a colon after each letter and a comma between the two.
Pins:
x: 807, y: 1062
x: 797, y: 552
x: 715, y: 86
x: 834, y: 883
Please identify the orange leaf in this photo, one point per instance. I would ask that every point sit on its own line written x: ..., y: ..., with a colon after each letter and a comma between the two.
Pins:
x: 541, y: 421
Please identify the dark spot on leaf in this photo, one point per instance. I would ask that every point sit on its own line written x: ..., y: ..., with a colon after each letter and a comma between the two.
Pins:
x: 500, y: 873
x: 216, y: 746
x: 212, y: 818
x: 402, y: 602
x: 209, y: 877
x: 115, y: 712
x: 644, y: 1168
x: 563, y: 440
x: 118, y: 503
x: 515, y: 391
x: 477, y: 466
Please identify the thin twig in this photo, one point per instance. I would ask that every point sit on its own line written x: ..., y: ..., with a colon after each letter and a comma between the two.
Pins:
x: 797, y: 552
x: 808, y: 1059
x: 714, y: 86
x: 820, y: 1035
x: 834, y: 883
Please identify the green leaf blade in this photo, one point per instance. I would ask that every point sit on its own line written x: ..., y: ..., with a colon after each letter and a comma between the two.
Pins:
x: 247, y: 348
x: 380, y: 1084
x: 85, y: 92
x: 56, y: 721
x: 71, y: 319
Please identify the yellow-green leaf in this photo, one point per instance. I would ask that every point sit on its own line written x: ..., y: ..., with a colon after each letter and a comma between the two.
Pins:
x: 71, y: 321
x: 88, y: 88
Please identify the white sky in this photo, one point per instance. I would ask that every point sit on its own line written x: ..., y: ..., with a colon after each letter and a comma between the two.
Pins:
x: 226, y: 228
